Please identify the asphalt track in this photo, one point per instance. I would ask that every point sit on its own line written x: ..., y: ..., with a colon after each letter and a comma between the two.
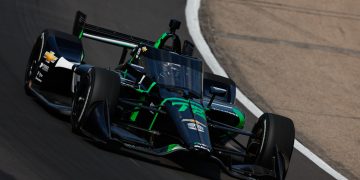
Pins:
x: 35, y: 144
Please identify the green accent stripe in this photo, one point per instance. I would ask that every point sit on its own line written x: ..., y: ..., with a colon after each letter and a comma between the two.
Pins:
x: 158, y: 42
x: 154, y: 119
x: 148, y: 90
x: 199, y: 111
x: 156, y: 115
x: 197, y: 106
x: 134, y: 116
x: 125, y: 73
x: 131, y: 60
x: 241, y: 117
x: 172, y: 147
x: 135, y: 112
x: 81, y: 34
x: 183, y: 101
x: 183, y: 107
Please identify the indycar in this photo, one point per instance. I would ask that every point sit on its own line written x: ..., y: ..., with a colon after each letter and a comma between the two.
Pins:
x: 158, y: 101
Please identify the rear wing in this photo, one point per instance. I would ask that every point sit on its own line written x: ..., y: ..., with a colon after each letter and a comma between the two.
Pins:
x: 82, y: 29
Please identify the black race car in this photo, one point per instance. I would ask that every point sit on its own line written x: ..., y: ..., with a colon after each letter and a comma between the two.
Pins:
x: 158, y: 101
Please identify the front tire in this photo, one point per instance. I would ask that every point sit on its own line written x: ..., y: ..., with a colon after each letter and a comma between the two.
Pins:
x: 97, y: 85
x: 30, y: 66
x: 271, y: 131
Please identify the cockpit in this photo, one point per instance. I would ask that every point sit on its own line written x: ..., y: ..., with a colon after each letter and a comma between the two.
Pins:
x: 171, y: 70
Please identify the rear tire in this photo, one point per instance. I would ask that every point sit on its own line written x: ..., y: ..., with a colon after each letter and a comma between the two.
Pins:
x: 270, y: 131
x: 97, y: 85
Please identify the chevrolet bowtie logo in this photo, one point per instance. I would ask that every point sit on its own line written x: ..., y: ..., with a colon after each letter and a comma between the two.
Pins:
x: 50, y: 56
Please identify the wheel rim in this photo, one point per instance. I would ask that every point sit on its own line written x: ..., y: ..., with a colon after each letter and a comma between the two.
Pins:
x: 34, y: 58
x: 256, y: 143
x: 29, y: 68
x: 79, y: 103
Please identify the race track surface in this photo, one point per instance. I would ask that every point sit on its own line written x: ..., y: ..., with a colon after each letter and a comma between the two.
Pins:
x: 34, y: 144
x: 299, y: 59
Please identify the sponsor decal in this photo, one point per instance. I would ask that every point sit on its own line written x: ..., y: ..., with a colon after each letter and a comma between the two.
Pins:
x: 140, y: 50
x: 194, y: 125
x: 138, y: 53
x: 44, y: 67
x: 38, y: 76
x: 50, y: 57
x: 195, y: 109
x: 201, y: 146
x: 144, y: 49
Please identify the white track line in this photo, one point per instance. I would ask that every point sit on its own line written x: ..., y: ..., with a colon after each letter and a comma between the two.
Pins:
x: 192, y: 21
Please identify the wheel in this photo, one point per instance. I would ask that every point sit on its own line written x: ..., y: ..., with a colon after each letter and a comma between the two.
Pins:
x: 97, y: 85
x: 270, y: 131
x: 79, y: 103
x: 33, y: 59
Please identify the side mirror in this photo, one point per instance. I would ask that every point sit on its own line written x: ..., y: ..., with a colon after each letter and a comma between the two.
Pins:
x: 174, y: 25
x: 215, y: 91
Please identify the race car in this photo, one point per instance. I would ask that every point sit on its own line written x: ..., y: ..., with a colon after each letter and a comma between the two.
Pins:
x: 158, y: 101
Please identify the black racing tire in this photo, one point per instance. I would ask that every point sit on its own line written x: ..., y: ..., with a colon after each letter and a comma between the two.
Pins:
x: 96, y: 86
x: 30, y: 66
x: 270, y: 131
